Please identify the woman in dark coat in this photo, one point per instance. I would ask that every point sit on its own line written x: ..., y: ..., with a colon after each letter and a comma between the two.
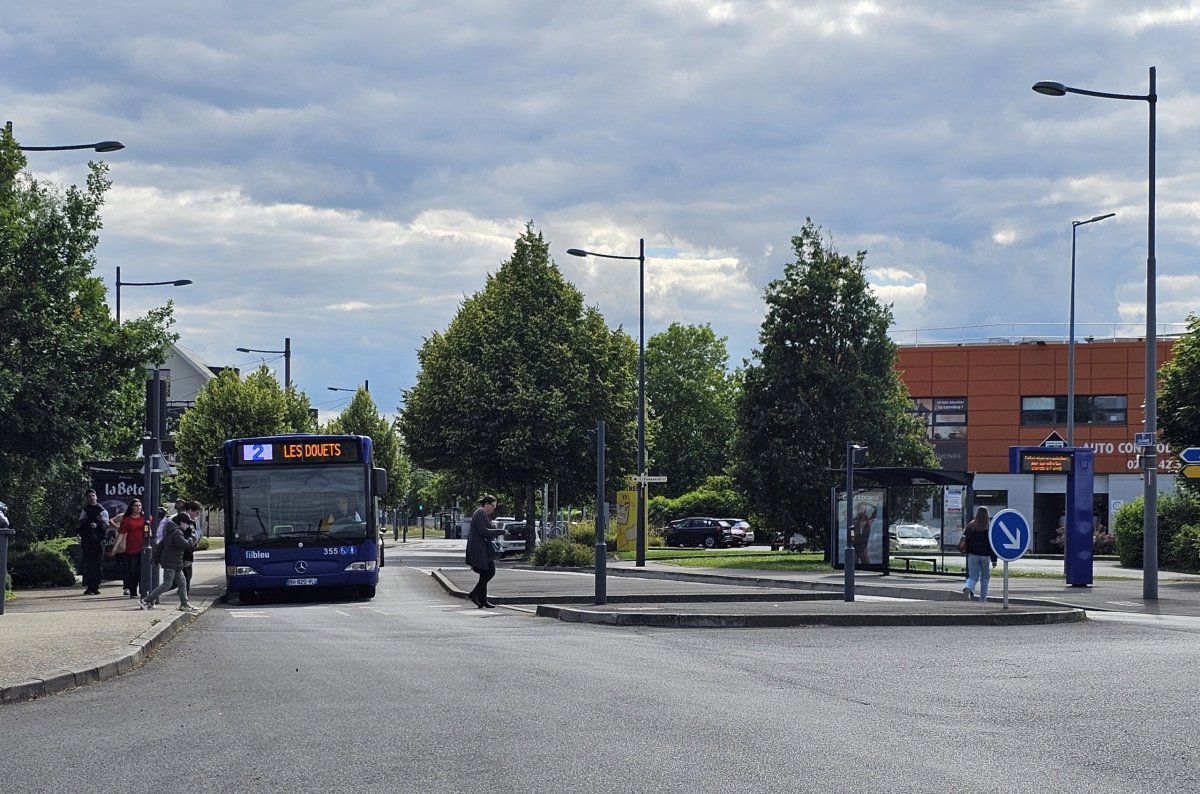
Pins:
x: 980, y: 557
x: 479, y: 550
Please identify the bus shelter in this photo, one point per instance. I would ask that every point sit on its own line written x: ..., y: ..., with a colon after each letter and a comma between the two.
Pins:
x: 905, y: 519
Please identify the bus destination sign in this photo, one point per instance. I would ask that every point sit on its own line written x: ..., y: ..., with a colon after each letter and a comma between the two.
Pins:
x: 299, y: 452
x: 1037, y: 462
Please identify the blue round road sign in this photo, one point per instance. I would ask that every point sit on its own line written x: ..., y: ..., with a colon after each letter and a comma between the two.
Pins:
x: 1009, y: 535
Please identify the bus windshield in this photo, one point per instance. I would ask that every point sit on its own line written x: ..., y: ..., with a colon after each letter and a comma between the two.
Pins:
x: 280, y: 507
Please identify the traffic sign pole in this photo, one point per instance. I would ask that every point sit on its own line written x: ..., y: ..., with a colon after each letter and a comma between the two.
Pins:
x: 1009, y: 535
x: 1006, y: 584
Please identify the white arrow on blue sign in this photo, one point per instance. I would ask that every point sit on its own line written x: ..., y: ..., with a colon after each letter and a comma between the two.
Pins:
x: 1009, y: 535
x: 1190, y: 455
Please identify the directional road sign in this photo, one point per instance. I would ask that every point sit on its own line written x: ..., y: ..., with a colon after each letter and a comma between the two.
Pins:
x: 1054, y: 440
x: 1190, y: 455
x: 650, y: 478
x: 1191, y: 471
x: 1009, y: 535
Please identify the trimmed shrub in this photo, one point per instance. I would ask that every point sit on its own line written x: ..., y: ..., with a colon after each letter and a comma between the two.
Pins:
x: 562, y: 553
x: 1175, y: 511
x: 203, y: 544
x: 1185, y: 549
x: 581, y: 533
x: 40, y: 567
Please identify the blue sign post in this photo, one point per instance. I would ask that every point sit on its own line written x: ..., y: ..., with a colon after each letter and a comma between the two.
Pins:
x: 1010, y: 536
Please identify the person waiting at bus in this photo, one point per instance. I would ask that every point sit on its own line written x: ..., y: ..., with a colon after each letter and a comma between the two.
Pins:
x: 342, y: 514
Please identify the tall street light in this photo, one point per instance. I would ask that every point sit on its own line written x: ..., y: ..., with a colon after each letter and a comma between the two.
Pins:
x: 641, y: 423
x: 1071, y: 338
x: 287, y: 359
x: 1149, y: 454
x: 99, y: 146
x: 365, y: 387
x: 179, y: 282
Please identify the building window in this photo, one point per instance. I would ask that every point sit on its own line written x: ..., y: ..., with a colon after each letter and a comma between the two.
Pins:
x: 1102, y: 410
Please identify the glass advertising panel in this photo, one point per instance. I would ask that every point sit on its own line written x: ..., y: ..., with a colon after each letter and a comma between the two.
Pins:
x: 868, y: 534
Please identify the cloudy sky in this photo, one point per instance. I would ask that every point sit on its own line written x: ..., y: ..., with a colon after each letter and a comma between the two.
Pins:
x: 344, y: 173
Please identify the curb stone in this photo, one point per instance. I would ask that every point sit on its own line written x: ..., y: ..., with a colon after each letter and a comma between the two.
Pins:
x: 139, y: 650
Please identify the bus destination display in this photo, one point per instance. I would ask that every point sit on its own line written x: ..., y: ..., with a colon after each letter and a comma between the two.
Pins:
x: 1047, y: 462
x: 299, y: 452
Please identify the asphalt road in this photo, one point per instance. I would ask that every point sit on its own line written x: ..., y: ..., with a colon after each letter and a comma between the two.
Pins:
x: 414, y: 692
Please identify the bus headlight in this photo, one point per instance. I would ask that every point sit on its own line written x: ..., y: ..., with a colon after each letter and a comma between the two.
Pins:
x: 362, y: 566
x: 239, y: 570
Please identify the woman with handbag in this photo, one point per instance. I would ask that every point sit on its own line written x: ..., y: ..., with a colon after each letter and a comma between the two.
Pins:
x: 980, y: 557
x: 481, y: 553
x: 131, y: 534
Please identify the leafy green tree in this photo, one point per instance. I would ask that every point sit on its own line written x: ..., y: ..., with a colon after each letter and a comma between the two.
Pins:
x: 228, y: 407
x: 508, y: 393
x: 70, y: 379
x: 362, y: 418
x: 824, y: 375
x: 1179, y: 397
x: 690, y: 402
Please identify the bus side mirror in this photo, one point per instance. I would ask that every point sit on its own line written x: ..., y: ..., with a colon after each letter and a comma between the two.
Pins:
x: 214, y: 475
x: 379, y: 482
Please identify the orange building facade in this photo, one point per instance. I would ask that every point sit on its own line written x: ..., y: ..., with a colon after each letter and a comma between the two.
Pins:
x: 980, y: 398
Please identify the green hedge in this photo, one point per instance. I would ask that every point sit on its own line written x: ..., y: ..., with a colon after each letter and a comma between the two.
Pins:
x: 1178, y: 519
x: 563, y: 553
x: 40, y: 567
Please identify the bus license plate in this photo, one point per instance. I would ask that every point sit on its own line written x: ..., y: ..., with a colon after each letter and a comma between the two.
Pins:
x: 292, y: 582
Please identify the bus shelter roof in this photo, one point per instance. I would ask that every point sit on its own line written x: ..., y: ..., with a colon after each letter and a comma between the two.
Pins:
x: 900, y: 476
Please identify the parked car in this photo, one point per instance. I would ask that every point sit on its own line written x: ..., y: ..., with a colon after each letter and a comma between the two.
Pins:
x: 707, y: 532
x: 514, y: 533
x: 741, y: 530
x: 912, y: 537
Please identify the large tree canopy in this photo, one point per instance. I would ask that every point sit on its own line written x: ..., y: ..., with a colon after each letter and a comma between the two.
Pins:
x: 824, y: 375
x: 507, y: 394
x: 228, y: 407
x: 1179, y: 395
x: 690, y: 401
x: 71, y: 381
x: 362, y: 418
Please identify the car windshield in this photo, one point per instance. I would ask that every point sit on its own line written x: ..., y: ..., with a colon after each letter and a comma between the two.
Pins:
x: 914, y: 531
x: 283, y: 506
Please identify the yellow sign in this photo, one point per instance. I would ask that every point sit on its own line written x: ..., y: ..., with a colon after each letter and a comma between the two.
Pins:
x: 626, y: 520
x: 1191, y: 471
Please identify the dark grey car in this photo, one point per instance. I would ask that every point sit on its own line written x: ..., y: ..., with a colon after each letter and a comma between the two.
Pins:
x: 708, y: 532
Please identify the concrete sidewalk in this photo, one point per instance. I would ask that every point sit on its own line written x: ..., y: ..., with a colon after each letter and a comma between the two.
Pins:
x: 56, y: 639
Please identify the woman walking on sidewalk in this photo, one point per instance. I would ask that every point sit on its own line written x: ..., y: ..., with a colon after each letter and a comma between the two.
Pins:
x: 169, y: 554
x: 131, y: 534
x: 980, y: 557
x: 479, y: 550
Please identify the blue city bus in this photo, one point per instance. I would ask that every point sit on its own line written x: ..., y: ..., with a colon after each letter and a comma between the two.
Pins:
x: 300, y: 512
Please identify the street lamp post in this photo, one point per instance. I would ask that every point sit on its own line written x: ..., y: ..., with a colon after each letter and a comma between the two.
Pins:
x: 98, y: 146
x: 1150, y: 454
x: 1071, y: 334
x: 365, y: 387
x: 641, y: 420
x: 287, y: 359
x: 179, y: 282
